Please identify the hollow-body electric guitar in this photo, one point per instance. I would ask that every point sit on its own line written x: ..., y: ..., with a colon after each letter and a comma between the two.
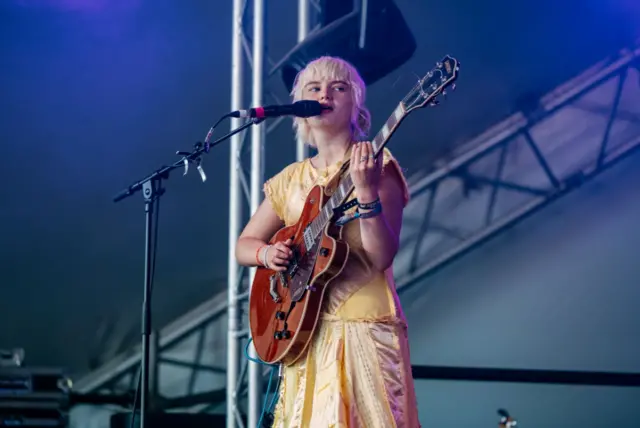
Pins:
x: 284, y: 307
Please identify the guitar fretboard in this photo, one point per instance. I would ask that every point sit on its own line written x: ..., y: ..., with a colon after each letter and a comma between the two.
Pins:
x: 345, y: 187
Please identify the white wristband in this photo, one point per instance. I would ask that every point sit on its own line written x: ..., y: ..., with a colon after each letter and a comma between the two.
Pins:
x: 264, y: 256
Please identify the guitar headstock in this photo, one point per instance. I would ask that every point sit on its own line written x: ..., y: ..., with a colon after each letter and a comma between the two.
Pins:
x: 432, y: 85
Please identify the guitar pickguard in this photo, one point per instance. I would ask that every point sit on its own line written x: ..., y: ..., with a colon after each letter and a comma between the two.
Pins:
x: 299, y: 273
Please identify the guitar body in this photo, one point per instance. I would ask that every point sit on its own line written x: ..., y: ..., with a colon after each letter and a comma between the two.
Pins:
x: 284, y: 307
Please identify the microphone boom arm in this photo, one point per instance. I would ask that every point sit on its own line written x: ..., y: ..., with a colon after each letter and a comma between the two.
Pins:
x: 187, y: 157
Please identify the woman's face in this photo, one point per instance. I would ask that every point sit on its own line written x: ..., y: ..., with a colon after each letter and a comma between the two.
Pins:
x: 335, y: 94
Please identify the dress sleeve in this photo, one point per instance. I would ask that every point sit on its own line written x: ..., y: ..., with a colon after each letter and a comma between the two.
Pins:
x: 276, y: 189
x: 388, y: 161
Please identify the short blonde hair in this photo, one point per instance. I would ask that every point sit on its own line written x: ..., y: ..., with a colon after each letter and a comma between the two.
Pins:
x: 327, y: 67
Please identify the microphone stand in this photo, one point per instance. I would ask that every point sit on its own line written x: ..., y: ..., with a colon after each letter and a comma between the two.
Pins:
x: 151, y: 191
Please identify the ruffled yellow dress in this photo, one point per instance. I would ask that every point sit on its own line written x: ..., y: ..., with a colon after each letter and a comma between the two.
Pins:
x: 357, y: 371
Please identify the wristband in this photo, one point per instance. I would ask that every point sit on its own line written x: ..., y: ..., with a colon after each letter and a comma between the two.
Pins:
x: 376, y: 210
x: 369, y: 205
x: 258, y: 258
x: 262, y: 259
x: 264, y: 256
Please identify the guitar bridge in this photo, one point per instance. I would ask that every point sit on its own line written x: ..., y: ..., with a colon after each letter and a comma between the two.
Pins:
x: 272, y: 289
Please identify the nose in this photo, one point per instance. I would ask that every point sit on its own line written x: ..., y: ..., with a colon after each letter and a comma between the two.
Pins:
x: 325, y: 94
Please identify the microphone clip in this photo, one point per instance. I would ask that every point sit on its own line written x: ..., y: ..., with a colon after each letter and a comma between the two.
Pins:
x: 187, y: 158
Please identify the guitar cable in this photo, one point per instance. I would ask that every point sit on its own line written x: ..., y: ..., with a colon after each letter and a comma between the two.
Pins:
x: 274, y: 367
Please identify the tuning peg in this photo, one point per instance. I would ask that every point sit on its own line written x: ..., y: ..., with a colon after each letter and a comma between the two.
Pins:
x: 434, y: 103
x: 453, y: 87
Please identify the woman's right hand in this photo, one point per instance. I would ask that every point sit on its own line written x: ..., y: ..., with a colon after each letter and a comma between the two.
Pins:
x: 278, y: 255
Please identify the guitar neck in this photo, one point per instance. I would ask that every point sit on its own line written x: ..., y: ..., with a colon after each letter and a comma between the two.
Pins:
x: 378, y: 143
x: 345, y: 187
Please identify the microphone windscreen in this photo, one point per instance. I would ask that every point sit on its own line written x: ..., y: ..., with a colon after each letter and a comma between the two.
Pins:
x: 307, y: 108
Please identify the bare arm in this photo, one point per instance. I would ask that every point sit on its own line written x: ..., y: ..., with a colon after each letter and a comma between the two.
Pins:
x: 381, y: 234
x: 261, y: 227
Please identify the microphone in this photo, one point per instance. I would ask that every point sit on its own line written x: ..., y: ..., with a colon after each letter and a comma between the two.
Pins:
x: 303, y: 108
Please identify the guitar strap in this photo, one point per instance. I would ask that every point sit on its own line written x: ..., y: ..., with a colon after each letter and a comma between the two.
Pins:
x: 339, y: 211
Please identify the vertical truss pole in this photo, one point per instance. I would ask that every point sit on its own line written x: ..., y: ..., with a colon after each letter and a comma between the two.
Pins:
x: 302, y: 151
x: 257, y: 178
x: 303, y: 19
x: 235, y: 217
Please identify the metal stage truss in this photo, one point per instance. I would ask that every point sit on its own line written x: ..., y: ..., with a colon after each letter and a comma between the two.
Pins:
x: 511, y: 170
x: 518, y: 166
x: 253, y: 45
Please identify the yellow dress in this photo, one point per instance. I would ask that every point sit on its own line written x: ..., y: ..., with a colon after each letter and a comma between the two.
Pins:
x: 356, y: 372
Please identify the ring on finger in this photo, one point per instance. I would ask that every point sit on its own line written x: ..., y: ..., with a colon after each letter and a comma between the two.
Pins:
x: 363, y: 158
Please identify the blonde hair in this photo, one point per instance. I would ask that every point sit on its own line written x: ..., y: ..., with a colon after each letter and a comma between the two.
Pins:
x: 327, y: 67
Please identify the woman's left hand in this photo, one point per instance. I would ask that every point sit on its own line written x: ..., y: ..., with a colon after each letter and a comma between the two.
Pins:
x: 365, y: 172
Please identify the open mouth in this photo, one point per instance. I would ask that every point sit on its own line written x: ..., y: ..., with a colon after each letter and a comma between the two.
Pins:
x: 326, y: 109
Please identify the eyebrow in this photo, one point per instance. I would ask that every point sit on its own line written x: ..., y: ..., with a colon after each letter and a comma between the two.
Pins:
x: 315, y: 82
